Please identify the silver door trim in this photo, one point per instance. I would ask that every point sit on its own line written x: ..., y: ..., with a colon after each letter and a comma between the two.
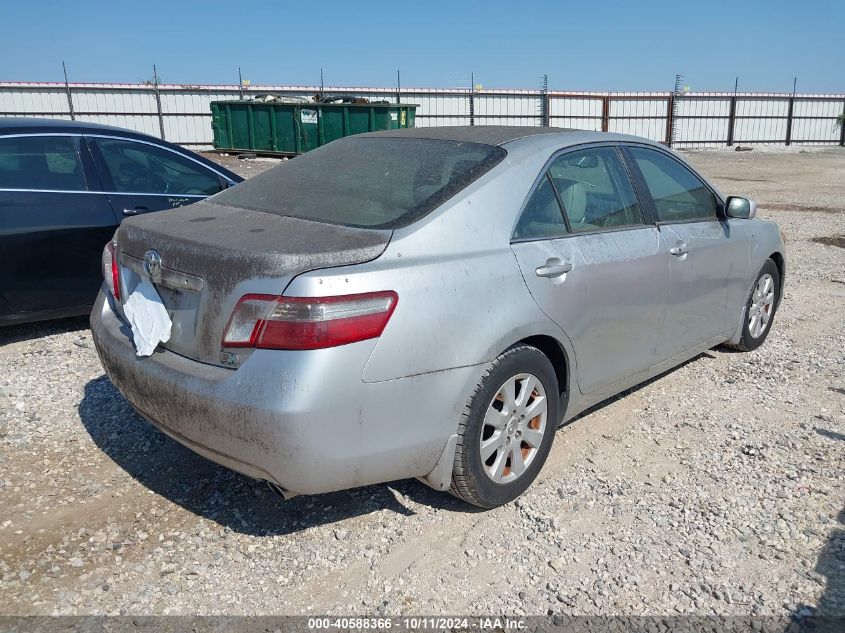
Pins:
x: 178, y: 153
x: 109, y: 193
x: 119, y: 138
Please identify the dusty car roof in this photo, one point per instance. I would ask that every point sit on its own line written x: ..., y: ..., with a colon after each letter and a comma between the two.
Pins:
x: 520, y: 142
x: 489, y: 134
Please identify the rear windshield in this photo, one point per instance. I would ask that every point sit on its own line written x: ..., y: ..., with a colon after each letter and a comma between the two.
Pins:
x: 367, y: 182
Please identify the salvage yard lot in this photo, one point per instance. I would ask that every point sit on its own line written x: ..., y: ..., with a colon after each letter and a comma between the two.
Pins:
x: 717, y: 488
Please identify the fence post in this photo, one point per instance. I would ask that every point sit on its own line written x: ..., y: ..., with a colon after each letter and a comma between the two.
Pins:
x: 731, y: 121
x: 158, y: 103
x: 69, y: 97
x: 789, y: 120
x: 605, y: 114
x: 670, y: 119
x: 842, y: 127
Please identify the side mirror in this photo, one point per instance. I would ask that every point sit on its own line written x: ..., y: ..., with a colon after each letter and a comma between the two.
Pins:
x: 741, y: 208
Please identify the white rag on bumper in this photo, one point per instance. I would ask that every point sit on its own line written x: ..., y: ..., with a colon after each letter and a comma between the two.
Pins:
x: 147, y: 317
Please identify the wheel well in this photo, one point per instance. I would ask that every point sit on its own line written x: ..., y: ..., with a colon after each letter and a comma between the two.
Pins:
x: 554, y: 352
x: 777, y: 258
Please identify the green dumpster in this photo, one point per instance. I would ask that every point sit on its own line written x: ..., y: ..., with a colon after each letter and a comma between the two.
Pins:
x: 293, y: 128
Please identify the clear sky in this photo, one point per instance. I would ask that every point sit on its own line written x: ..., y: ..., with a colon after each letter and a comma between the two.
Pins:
x: 581, y: 45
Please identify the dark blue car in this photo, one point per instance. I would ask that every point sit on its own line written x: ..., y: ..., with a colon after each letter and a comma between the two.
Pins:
x: 64, y: 188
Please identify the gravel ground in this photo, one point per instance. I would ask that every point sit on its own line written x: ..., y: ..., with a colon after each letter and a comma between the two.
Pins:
x: 718, y: 488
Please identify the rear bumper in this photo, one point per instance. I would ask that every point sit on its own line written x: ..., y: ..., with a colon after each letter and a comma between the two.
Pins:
x: 303, y: 420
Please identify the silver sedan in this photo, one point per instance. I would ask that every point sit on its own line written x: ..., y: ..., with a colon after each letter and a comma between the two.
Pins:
x: 427, y: 303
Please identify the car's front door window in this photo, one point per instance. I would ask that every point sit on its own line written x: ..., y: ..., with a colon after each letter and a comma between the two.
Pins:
x: 148, y: 169
x: 679, y: 196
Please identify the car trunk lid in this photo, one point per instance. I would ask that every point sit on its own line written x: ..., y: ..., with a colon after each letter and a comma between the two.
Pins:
x: 211, y: 255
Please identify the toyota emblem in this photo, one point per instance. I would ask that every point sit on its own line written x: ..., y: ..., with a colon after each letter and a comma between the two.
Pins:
x: 152, y: 265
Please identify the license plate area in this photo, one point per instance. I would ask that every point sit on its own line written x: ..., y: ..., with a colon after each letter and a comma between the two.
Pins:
x: 168, y: 278
x: 181, y: 294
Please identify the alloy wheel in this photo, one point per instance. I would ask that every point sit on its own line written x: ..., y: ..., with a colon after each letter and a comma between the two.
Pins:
x: 762, y: 305
x: 513, y: 428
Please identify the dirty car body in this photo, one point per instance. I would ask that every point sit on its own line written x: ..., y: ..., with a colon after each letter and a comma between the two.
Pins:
x: 606, y: 254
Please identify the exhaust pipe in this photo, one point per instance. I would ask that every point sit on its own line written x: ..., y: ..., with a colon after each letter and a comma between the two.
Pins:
x: 284, y: 494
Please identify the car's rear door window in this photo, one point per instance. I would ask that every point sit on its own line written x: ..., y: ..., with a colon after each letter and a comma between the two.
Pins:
x: 368, y: 182
x: 595, y: 190
x: 678, y: 194
x: 542, y: 216
x: 41, y: 163
x: 145, y: 168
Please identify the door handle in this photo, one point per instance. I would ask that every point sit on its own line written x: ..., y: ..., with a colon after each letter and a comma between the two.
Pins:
x: 553, y: 267
x: 679, y: 249
x: 135, y: 210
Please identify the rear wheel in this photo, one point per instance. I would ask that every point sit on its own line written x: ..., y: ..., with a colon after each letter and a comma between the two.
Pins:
x: 506, y: 431
x: 760, y: 308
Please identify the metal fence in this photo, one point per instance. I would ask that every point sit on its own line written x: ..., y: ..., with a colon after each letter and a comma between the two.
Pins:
x: 181, y: 113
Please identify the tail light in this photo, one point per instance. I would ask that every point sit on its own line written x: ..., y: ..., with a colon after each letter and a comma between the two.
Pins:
x: 110, y: 271
x: 298, y: 323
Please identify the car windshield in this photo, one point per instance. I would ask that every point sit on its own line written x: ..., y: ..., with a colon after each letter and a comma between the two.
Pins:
x: 369, y: 182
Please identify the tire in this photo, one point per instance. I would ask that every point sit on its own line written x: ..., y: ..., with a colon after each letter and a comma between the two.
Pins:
x: 520, y: 443
x: 763, y: 306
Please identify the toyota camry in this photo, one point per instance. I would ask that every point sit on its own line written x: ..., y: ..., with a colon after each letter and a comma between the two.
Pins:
x: 429, y: 303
